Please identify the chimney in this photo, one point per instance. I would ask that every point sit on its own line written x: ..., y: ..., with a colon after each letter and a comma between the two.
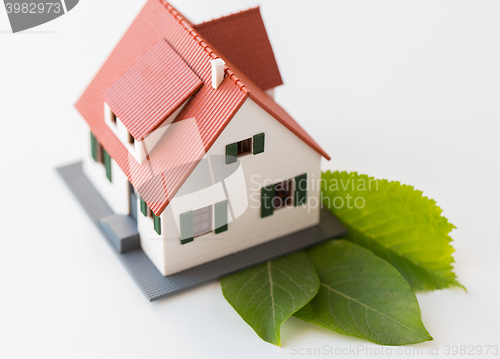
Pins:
x: 217, y: 72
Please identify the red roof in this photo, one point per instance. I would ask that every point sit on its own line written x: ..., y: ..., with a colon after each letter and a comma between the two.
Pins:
x: 200, y: 122
x: 242, y: 39
x: 152, y: 89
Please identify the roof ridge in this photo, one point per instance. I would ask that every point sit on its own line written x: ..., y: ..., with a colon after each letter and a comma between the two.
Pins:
x: 241, y: 12
x: 199, y: 39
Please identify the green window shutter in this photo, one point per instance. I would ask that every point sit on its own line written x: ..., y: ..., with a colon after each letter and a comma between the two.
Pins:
x: 93, y: 146
x: 157, y: 223
x: 300, y: 189
x: 187, y: 227
x: 231, y: 153
x: 220, y: 217
x: 144, y: 207
x: 266, y: 204
x: 258, y: 143
x: 107, y: 164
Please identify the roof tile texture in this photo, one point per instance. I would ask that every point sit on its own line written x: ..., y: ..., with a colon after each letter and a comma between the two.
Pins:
x: 242, y: 39
x: 152, y: 89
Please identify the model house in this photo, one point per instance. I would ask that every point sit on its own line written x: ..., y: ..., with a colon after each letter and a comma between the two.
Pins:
x: 186, y: 141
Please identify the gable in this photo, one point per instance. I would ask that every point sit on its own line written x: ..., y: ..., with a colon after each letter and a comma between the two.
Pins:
x: 285, y: 156
x: 242, y: 39
x: 251, y: 119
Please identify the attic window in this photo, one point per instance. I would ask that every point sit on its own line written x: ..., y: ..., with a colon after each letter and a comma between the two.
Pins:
x: 244, y: 147
x: 113, y: 117
x: 130, y: 138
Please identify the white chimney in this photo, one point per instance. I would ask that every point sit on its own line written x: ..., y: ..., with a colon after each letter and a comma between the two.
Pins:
x: 217, y: 72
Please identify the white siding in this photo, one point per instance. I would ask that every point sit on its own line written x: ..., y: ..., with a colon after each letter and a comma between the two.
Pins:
x: 285, y: 157
x: 152, y: 242
x: 115, y: 193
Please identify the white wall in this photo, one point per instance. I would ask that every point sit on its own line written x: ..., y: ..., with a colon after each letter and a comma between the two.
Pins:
x: 285, y: 157
x: 116, y: 192
x: 151, y: 242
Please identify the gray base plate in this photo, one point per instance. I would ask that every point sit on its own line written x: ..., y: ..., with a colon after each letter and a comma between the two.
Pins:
x: 153, y: 283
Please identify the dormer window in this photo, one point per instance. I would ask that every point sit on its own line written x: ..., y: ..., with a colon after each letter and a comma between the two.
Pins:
x: 253, y: 145
x: 117, y: 127
x: 244, y: 147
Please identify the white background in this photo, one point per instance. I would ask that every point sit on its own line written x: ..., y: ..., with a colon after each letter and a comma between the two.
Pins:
x: 397, y: 89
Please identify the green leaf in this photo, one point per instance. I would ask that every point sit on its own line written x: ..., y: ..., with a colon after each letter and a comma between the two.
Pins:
x: 363, y: 296
x: 395, y: 222
x: 267, y: 295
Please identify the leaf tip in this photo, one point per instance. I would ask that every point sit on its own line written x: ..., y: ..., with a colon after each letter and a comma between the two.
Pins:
x: 457, y: 284
x: 273, y: 341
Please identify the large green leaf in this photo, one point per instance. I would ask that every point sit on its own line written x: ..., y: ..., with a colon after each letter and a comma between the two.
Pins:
x: 364, y: 296
x: 395, y: 222
x: 267, y: 295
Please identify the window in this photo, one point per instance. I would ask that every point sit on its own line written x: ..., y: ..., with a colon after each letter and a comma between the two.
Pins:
x: 245, y: 147
x: 283, y: 194
x: 109, y: 115
x: 100, y: 155
x: 113, y: 117
x: 147, y: 212
x: 130, y: 139
x: 202, y: 221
